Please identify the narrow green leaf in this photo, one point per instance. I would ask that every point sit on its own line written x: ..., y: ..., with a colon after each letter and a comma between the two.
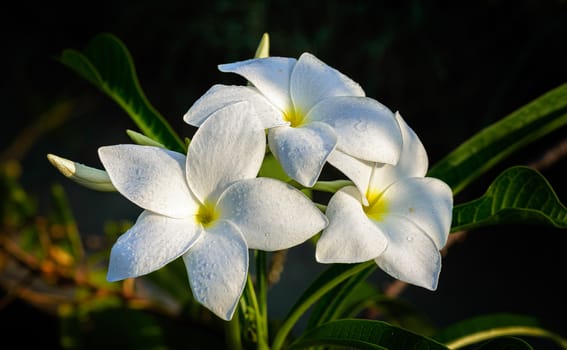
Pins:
x: 326, y: 281
x: 142, y: 139
x: 497, y: 141
x: 394, y: 310
x: 364, y: 334
x: 520, y: 195
x: 505, y: 343
x: 333, y: 304
x: 107, y: 64
x: 491, y: 326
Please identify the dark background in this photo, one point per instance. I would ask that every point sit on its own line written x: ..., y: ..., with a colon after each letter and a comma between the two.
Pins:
x: 450, y: 68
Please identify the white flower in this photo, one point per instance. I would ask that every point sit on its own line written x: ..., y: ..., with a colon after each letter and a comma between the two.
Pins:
x: 401, y: 220
x: 208, y: 208
x: 310, y: 110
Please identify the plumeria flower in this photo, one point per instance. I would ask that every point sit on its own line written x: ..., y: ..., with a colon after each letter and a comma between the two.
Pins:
x: 207, y: 207
x: 310, y: 110
x: 401, y: 219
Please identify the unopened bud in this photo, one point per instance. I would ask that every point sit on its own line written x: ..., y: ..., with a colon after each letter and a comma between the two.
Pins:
x: 92, y: 178
x: 263, y: 49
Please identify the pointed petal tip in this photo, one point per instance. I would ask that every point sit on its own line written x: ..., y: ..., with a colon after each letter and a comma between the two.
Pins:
x: 115, y: 276
x: 263, y: 49
x: 65, y: 166
x: 225, y: 67
x: 432, y: 284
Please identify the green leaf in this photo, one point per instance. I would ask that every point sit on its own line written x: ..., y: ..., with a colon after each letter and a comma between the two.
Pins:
x: 364, y: 334
x: 334, y: 303
x: 505, y: 343
x: 497, y: 141
x: 520, y: 195
x: 142, y: 139
x: 394, y: 310
x: 326, y: 281
x: 107, y: 64
x: 491, y: 326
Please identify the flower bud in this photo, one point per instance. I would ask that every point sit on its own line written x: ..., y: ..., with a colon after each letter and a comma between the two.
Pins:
x: 92, y: 178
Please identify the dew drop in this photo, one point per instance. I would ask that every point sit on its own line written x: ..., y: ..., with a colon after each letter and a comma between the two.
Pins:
x: 360, y: 126
x: 409, y: 238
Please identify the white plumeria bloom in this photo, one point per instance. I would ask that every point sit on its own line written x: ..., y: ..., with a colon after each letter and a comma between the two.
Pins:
x: 398, y: 217
x: 207, y: 207
x: 310, y: 110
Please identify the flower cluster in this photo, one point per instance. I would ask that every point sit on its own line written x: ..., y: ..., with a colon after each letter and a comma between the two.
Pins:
x: 209, y: 206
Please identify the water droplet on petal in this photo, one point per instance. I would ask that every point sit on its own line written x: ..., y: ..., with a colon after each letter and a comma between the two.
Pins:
x: 360, y: 126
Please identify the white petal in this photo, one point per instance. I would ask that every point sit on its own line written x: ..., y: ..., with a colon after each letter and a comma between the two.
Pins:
x: 427, y: 202
x: 219, y: 96
x: 151, y: 243
x: 229, y: 146
x: 411, y: 256
x: 350, y: 237
x: 151, y: 177
x: 217, y: 267
x: 271, y: 214
x: 313, y: 80
x: 357, y: 170
x: 269, y: 75
x: 413, y: 160
x: 302, y: 152
x: 365, y: 128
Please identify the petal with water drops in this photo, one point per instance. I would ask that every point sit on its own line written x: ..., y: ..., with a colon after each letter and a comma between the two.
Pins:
x: 269, y: 75
x: 365, y: 128
x: 350, y: 237
x: 357, y: 170
x: 411, y: 256
x: 217, y: 267
x: 229, y: 146
x: 302, y: 152
x: 312, y: 81
x: 151, y: 243
x: 271, y: 214
x: 151, y: 177
x: 427, y: 202
x: 219, y: 96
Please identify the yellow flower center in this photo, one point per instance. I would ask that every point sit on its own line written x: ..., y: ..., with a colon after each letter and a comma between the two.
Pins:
x: 294, y: 117
x: 377, y: 206
x: 207, y: 214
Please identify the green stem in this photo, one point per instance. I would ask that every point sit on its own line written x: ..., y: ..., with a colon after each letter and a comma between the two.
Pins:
x: 262, y: 292
x: 252, y: 299
x: 232, y: 333
x: 309, y: 300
